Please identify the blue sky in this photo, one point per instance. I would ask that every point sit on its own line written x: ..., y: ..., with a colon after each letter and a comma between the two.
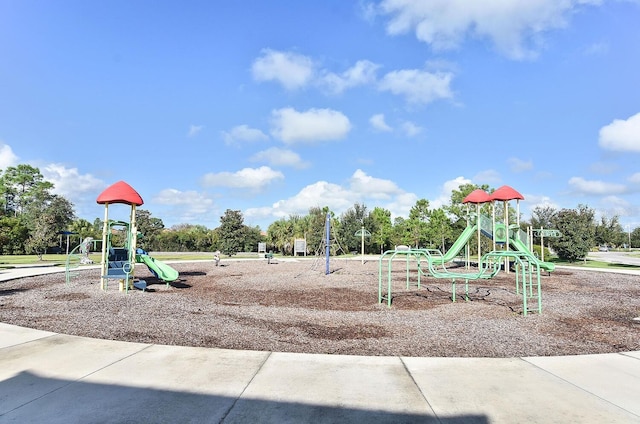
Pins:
x: 273, y: 107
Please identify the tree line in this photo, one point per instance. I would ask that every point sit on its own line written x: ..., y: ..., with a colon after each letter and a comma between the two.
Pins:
x: 32, y: 219
x: 438, y: 228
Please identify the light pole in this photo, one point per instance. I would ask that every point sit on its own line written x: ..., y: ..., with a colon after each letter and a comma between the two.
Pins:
x: 362, y: 232
x: 629, y: 230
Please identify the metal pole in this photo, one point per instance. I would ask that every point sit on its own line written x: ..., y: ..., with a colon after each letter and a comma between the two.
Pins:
x: 105, y: 238
x: 327, y: 226
x: 362, y: 243
x: 478, y: 231
x: 133, y: 229
x: 506, y: 224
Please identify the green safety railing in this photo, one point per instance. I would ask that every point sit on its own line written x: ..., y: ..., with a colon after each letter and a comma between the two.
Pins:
x: 526, y: 267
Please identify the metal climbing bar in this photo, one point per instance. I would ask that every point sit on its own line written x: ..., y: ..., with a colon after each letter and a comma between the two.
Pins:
x: 526, y: 266
x: 388, y: 258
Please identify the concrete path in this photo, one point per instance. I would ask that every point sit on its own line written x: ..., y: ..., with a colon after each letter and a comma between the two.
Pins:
x: 54, y: 378
x: 616, y: 257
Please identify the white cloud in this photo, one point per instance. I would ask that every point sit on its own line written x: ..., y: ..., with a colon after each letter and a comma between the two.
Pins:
x: 292, y: 70
x: 313, y: 125
x: 615, y: 206
x: 264, y: 213
x: 280, y: 157
x: 194, y: 130
x: 450, y: 185
x: 488, y: 176
x: 320, y: 194
x: 622, y: 135
x: 367, y: 186
x: 582, y: 186
x: 185, y: 206
x: 417, y: 86
x: 378, y: 123
x: 401, y: 205
x: 533, y: 201
x: 70, y: 183
x: 250, y: 178
x: 197, y: 202
x: 445, y: 192
x: 80, y: 189
x: 362, y: 188
x: 367, y: 11
x: 635, y: 178
x: 243, y: 133
x: 7, y: 157
x: 411, y: 129
x: 514, y: 27
x: 519, y: 165
x: 363, y: 72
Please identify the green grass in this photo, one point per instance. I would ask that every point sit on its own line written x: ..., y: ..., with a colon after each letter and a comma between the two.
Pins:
x: 10, y: 260
x: 197, y: 256
x: 7, y: 261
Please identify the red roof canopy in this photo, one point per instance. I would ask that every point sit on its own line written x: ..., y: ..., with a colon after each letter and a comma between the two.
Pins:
x: 506, y: 193
x: 120, y: 192
x: 477, y: 196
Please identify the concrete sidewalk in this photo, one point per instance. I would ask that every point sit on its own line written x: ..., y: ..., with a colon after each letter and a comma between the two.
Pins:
x: 55, y: 378
x: 21, y: 271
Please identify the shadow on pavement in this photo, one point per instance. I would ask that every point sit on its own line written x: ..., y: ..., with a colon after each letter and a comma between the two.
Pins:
x: 27, y: 397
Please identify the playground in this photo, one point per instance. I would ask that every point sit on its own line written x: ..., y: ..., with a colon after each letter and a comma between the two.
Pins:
x: 407, y: 302
x: 293, y: 306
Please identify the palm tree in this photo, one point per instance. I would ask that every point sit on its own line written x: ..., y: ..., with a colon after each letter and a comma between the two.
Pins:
x: 279, y: 235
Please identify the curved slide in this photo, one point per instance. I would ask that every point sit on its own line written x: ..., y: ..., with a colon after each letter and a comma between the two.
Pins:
x: 521, y: 247
x: 468, y: 233
x: 456, y: 247
x: 160, y: 269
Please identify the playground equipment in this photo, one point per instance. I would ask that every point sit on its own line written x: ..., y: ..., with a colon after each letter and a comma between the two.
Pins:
x: 542, y: 233
x: 118, y: 261
x: 488, y: 266
x: 476, y: 197
x: 329, y: 242
x: 434, y: 267
x: 85, y: 248
x: 503, y: 235
x: 457, y: 246
x: 78, y: 256
x: 161, y: 270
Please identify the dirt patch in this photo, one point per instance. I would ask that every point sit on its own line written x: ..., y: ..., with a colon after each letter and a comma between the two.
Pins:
x: 294, y: 307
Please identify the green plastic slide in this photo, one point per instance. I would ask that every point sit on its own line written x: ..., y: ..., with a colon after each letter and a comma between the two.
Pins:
x: 457, y: 246
x: 521, y: 247
x: 162, y: 270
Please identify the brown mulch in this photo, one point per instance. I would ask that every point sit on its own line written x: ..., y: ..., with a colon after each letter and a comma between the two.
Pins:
x: 292, y: 306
